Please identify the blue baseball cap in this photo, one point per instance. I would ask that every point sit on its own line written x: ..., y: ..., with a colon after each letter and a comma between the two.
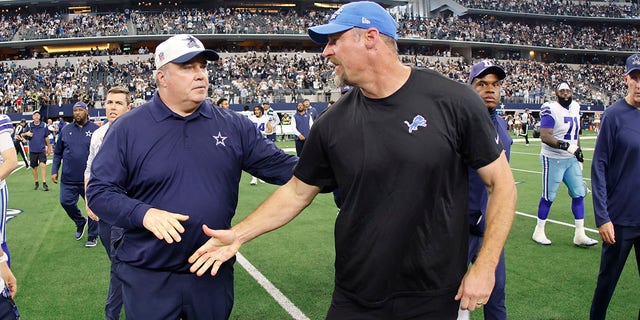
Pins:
x: 633, y: 63
x: 480, y: 69
x: 80, y: 104
x: 361, y: 14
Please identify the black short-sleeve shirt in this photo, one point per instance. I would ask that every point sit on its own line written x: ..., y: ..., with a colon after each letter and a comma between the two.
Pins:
x: 400, y: 166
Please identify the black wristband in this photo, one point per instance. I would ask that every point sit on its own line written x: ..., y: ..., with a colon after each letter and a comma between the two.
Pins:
x: 563, y: 145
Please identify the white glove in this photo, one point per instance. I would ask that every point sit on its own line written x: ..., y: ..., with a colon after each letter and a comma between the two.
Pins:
x: 581, y: 166
x: 572, y: 149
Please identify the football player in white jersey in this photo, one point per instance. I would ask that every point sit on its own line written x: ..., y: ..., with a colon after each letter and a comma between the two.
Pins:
x: 8, y: 162
x: 562, y: 160
x: 264, y: 126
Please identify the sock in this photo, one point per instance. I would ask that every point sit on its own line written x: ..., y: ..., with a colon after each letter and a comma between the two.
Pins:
x: 544, y: 207
x: 541, y: 223
x: 577, y: 207
x: 579, y: 226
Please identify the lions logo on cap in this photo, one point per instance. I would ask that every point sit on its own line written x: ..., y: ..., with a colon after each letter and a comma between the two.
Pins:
x: 336, y: 14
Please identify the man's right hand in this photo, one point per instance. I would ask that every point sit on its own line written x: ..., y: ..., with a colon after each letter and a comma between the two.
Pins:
x: 164, y: 225
x: 222, y: 246
x: 563, y: 145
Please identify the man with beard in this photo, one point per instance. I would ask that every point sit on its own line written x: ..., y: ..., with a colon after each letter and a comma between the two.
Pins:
x: 396, y: 149
x: 486, y: 78
x: 72, y: 150
x: 301, y: 123
x: 562, y: 160
x: 163, y: 171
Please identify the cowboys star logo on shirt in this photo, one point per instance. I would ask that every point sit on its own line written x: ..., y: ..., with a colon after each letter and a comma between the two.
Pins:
x: 88, y: 134
x: 220, y: 139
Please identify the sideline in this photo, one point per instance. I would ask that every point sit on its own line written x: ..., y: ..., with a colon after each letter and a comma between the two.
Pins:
x: 280, y: 298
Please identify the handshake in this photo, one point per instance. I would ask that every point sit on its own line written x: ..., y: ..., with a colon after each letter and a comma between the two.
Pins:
x: 575, y: 150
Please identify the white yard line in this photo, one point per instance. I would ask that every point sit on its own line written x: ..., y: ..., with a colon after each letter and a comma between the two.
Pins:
x: 554, y: 221
x: 280, y: 298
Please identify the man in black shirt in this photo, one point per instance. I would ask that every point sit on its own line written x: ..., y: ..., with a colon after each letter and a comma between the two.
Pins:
x: 396, y: 149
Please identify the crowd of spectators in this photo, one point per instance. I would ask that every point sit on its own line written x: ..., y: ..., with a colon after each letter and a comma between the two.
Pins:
x: 547, y: 33
x: 222, y: 21
x: 253, y: 77
x: 49, y: 26
x: 287, y: 76
x: 537, y: 33
x: 608, y: 9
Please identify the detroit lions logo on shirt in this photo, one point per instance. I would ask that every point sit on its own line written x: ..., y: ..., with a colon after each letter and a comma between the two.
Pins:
x: 220, y: 139
x: 418, y: 121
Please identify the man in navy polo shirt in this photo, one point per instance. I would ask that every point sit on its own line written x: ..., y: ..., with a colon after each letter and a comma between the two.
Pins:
x: 164, y: 170
x: 486, y: 78
x: 72, y: 150
x: 614, y: 178
x: 38, y: 135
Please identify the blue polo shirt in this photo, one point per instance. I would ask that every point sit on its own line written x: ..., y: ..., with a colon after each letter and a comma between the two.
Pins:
x: 72, y: 149
x: 40, y: 133
x: 478, y: 196
x: 152, y: 157
x: 615, y: 167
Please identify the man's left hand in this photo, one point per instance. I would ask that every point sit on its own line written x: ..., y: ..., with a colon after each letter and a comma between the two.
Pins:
x: 476, y: 287
x: 579, y: 155
x: 164, y: 225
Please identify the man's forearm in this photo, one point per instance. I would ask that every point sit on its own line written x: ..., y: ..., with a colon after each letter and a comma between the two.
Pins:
x: 280, y: 208
x: 500, y: 214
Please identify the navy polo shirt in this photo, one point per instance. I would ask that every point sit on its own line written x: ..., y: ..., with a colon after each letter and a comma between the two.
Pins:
x: 153, y: 157
x: 72, y: 149
x: 40, y: 133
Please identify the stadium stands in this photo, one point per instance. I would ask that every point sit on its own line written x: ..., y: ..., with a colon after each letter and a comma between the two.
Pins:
x: 444, y: 42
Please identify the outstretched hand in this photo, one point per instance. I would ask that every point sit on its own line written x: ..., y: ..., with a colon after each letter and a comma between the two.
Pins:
x: 223, y: 245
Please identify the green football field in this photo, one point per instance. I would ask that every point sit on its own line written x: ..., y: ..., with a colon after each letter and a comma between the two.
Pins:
x: 291, y: 269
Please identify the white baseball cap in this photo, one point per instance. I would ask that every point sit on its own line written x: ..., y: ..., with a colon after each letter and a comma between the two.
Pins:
x: 180, y: 49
